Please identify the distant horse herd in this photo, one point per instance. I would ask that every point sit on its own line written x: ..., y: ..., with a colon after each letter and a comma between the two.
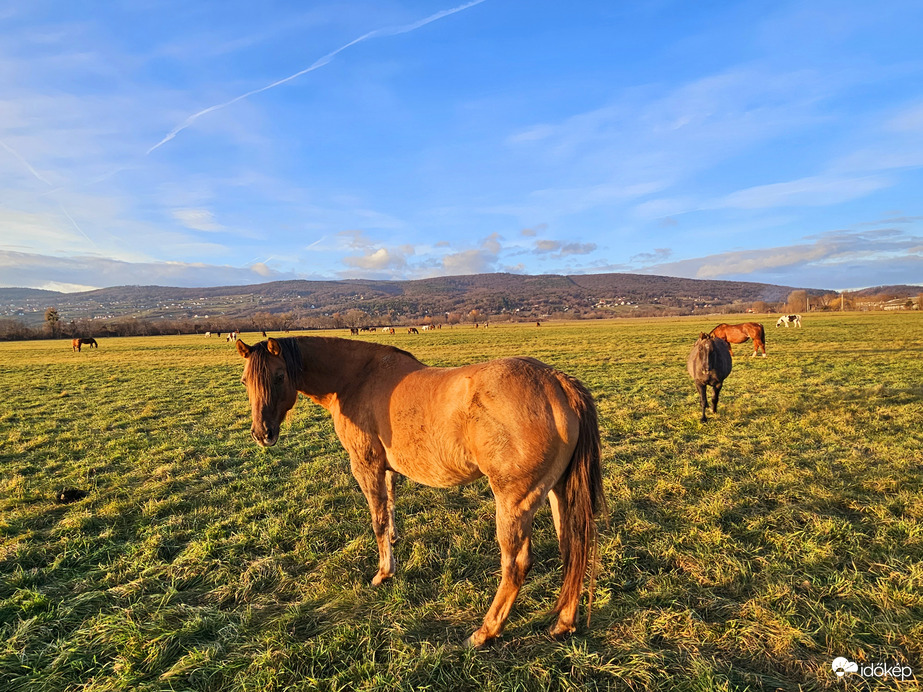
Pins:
x: 531, y: 429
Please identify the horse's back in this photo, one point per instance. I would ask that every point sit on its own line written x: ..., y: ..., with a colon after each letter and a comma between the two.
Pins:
x: 724, y: 361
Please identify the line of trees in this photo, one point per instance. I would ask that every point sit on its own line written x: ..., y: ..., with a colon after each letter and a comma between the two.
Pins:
x: 54, y: 327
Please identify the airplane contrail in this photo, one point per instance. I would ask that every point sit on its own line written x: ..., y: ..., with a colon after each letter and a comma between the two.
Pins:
x: 25, y: 163
x: 388, y: 31
x: 79, y: 230
x: 43, y: 179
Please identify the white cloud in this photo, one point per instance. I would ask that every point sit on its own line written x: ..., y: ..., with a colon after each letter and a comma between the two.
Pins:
x: 197, y: 219
x: 377, y: 260
x: 468, y: 262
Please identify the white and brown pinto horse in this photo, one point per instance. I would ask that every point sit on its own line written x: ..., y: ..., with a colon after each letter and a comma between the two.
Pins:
x: 789, y: 319
x: 529, y: 428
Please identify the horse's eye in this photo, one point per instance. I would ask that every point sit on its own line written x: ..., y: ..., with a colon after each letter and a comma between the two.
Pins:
x: 278, y: 379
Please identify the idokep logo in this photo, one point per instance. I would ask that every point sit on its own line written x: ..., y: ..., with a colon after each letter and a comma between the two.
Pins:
x: 841, y: 666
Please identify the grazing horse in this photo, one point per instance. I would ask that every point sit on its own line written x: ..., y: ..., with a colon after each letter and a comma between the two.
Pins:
x: 739, y: 333
x: 532, y: 430
x: 208, y: 335
x: 413, y: 330
x: 88, y: 341
x: 789, y: 319
x: 709, y: 363
x: 354, y: 331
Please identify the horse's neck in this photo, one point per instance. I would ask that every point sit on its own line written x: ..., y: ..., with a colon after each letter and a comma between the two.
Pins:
x: 337, y: 367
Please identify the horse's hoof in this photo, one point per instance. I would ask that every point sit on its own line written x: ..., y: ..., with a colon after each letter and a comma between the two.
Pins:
x: 380, y: 578
x: 561, y: 631
x: 476, y: 640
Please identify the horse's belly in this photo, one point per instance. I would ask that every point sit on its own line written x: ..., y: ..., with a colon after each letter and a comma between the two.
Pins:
x: 434, y: 466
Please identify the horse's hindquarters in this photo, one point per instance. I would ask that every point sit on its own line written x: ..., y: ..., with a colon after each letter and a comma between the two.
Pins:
x: 503, y: 419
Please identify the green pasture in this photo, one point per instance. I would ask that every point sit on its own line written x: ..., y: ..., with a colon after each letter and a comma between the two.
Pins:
x: 744, y: 553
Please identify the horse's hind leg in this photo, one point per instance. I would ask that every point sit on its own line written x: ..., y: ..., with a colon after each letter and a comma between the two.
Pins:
x: 714, y: 400
x: 392, y: 522
x: 568, y: 603
x: 514, y: 533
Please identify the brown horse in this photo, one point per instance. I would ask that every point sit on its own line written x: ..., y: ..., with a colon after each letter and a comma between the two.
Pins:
x: 739, y: 333
x: 89, y: 341
x: 709, y: 363
x: 529, y: 428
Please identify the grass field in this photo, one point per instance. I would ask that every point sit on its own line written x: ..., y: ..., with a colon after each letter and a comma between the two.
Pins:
x: 744, y: 553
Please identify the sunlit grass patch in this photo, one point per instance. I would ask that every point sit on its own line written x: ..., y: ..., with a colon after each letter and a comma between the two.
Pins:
x: 747, y: 552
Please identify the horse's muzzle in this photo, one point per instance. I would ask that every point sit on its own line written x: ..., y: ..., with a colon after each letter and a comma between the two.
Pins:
x: 267, y: 439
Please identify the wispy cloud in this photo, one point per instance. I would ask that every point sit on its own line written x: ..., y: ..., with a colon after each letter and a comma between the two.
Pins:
x: 559, y: 249
x: 819, y: 191
x: 836, y: 260
x: 320, y: 62
x: 82, y: 272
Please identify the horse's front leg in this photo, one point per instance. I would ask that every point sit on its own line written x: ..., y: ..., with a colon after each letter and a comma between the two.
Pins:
x: 703, y: 397
x: 372, y: 480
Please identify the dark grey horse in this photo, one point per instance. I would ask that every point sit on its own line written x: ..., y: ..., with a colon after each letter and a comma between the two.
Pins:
x: 709, y: 363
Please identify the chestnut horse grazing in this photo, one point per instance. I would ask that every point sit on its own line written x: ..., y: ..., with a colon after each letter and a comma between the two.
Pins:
x: 739, y: 333
x: 529, y: 428
x: 709, y: 363
x: 77, y: 343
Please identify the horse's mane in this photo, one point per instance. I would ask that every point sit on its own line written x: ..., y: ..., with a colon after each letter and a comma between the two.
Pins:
x: 291, y: 354
x: 369, y: 346
x: 294, y: 363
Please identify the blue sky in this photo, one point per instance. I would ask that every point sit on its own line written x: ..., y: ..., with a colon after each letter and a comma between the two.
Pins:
x: 212, y: 143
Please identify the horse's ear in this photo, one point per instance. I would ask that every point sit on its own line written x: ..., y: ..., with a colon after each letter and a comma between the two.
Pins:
x: 274, y: 347
x: 703, y: 335
x: 243, y: 349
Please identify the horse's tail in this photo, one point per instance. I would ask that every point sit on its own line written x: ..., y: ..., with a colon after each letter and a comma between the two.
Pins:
x: 584, y: 498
